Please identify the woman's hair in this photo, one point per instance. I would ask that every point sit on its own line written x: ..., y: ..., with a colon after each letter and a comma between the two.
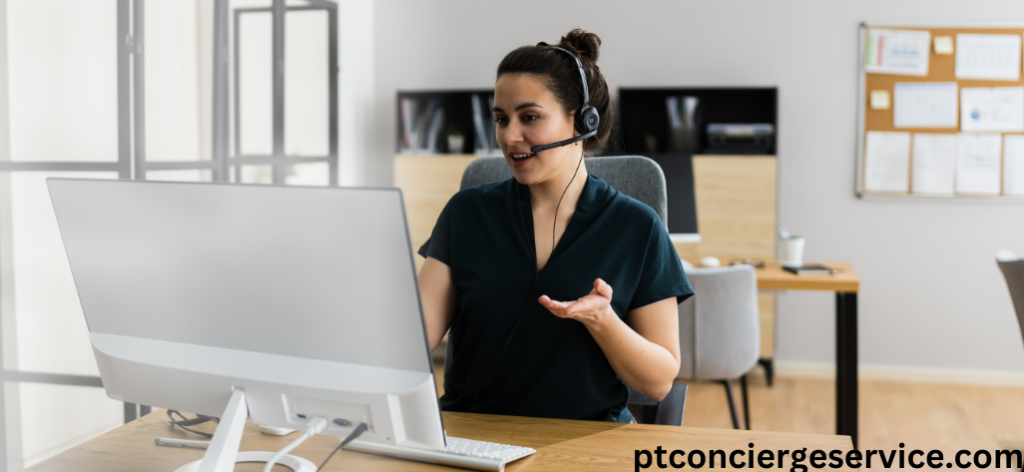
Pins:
x: 559, y: 73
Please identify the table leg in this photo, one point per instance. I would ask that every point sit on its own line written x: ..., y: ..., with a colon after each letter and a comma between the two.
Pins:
x: 131, y: 412
x: 846, y: 365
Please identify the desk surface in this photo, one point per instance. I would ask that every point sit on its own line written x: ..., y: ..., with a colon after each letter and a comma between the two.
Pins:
x: 561, y: 445
x: 772, y: 277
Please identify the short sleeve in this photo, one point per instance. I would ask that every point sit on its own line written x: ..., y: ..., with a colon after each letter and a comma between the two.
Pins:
x: 440, y: 238
x: 662, y: 275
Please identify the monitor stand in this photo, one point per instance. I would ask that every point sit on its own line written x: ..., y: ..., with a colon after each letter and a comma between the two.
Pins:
x: 223, y: 453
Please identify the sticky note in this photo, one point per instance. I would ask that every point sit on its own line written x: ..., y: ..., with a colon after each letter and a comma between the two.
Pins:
x: 943, y: 45
x: 879, y: 99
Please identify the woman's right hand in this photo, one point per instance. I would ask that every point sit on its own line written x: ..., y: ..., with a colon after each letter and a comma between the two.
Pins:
x: 437, y: 294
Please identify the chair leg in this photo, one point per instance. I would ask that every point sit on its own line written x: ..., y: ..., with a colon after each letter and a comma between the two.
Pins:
x: 746, y: 402
x: 732, y: 403
x: 769, y: 368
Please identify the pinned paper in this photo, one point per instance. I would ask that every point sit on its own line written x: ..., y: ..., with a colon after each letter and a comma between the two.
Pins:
x: 1013, y: 164
x: 925, y: 105
x: 879, y: 99
x: 977, y: 163
x: 992, y: 109
x: 934, y: 163
x: 988, y: 56
x: 902, y: 52
x: 943, y: 45
x: 887, y: 162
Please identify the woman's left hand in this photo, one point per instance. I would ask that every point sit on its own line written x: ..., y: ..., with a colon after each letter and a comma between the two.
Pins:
x: 591, y: 309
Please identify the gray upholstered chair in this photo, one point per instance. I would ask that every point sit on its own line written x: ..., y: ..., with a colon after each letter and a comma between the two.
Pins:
x: 1013, y: 271
x: 636, y: 176
x: 669, y: 411
x: 719, y: 334
x: 642, y: 179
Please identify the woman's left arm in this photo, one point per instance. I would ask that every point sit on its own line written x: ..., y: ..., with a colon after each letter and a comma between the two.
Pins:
x: 643, y: 350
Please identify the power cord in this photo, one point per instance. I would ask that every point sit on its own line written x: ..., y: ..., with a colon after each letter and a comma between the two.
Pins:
x: 555, y: 224
x: 184, y: 422
x: 354, y: 434
x: 314, y: 426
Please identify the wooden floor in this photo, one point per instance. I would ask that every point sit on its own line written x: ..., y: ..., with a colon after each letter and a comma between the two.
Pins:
x: 922, y: 416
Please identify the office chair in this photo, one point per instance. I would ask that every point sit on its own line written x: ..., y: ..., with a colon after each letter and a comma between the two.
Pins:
x: 1013, y: 271
x: 719, y: 333
x: 1012, y: 268
x: 669, y: 411
x: 636, y: 176
x: 640, y: 178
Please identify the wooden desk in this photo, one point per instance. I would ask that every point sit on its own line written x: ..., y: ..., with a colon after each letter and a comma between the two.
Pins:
x: 561, y: 445
x: 773, y: 277
x: 846, y: 285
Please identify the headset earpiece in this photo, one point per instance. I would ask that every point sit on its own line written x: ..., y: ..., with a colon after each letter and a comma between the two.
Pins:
x: 586, y: 120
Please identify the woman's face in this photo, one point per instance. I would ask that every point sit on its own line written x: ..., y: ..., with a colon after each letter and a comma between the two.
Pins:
x: 527, y: 114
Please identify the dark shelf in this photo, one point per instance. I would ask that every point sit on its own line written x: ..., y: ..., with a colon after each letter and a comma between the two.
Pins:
x: 458, y: 113
x: 643, y: 111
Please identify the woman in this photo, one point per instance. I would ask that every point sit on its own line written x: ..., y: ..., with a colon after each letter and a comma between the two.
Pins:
x: 559, y: 291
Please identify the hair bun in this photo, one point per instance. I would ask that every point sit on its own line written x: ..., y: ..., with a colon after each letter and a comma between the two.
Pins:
x: 584, y: 44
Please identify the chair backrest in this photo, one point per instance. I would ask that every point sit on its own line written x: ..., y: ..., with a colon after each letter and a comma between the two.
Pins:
x: 636, y: 176
x: 669, y: 411
x: 1013, y: 271
x: 719, y: 330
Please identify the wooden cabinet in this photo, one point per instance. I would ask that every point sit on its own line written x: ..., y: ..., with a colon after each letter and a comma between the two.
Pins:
x: 427, y: 182
x: 736, y: 199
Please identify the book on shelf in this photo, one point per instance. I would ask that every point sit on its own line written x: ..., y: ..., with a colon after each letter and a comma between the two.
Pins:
x: 436, y: 122
x: 810, y: 269
x: 485, y: 141
x: 408, y: 117
x: 479, y: 125
x: 421, y: 125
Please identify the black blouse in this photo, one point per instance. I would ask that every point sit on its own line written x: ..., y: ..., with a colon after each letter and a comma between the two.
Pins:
x: 549, y: 367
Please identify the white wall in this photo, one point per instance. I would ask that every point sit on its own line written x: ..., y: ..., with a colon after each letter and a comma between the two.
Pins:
x: 931, y: 294
x: 356, y: 88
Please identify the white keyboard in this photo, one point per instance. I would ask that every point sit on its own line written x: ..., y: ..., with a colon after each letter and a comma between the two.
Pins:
x: 465, y: 453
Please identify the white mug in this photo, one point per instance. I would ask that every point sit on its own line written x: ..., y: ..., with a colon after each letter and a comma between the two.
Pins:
x: 791, y: 251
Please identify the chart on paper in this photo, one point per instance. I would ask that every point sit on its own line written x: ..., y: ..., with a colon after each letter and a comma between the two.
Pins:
x: 897, y: 51
x: 992, y: 109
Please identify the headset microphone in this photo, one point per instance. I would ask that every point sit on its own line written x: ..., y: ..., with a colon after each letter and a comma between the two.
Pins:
x: 545, y: 147
x: 587, y: 118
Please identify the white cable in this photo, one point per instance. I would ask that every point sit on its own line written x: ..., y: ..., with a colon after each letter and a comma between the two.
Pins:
x: 315, y: 425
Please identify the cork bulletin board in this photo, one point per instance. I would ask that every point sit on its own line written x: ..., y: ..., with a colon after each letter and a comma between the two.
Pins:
x: 941, y: 68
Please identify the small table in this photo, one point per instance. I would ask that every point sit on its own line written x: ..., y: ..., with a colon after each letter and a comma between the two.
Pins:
x: 561, y: 445
x: 845, y: 284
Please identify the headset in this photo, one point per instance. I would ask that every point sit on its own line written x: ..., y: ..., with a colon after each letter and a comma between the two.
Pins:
x: 587, y: 118
x: 586, y: 122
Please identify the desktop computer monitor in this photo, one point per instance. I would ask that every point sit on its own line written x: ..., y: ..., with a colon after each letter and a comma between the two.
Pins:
x: 304, y: 299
